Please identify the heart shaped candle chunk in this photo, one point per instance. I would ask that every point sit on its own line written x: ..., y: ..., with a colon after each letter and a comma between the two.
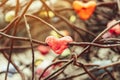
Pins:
x: 84, y: 10
x: 58, y: 45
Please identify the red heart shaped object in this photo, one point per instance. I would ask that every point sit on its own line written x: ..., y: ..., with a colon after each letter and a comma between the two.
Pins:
x: 58, y: 45
x: 84, y: 10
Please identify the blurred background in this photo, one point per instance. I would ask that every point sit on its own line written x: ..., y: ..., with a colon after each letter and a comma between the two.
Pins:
x: 23, y: 20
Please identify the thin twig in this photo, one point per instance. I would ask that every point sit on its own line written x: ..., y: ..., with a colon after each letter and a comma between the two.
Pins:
x: 17, y: 7
x: 56, y: 75
x: 3, y: 2
x: 110, y: 74
x: 22, y: 38
x: 41, y: 20
x: 17, y: 47
x: 10, y: 25
x: 30, y: 38
x: 88, y: 72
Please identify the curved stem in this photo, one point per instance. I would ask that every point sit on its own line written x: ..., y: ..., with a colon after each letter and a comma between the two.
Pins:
x: 41, y: 20
x: 3, y: 2
x: 30, y: 38
x: 17, y: 7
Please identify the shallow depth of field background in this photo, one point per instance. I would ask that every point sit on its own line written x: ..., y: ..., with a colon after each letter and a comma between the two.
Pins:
x: 25, y: 24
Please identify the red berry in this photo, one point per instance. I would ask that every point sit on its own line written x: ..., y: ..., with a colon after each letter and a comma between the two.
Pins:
x: 43, y: 49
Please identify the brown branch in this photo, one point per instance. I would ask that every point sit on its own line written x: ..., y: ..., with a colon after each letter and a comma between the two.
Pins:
x: 17, y: 7
x: 22, y: 38
x: 110, y: 39
x: 88, y: 72
x: 30, y: 38
x: 56, y: 75
x: 10, y: 25
x: 110, y: 74
x: 41, y: 20
x: 16, y: 48
x: 3, y: 2
x: 93, y: 44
